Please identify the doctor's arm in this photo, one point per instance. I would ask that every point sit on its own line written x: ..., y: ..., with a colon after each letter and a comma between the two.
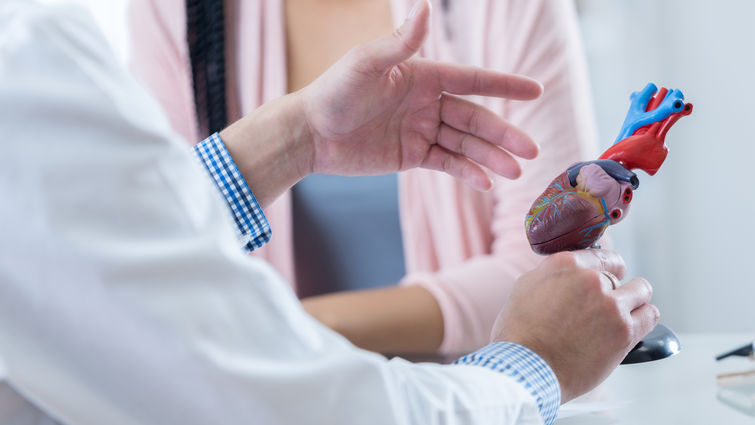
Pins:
x: 379, y: 110
x: 125, y: 298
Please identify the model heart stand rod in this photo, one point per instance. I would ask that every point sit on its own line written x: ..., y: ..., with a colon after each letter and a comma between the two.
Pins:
x: 579, y: 204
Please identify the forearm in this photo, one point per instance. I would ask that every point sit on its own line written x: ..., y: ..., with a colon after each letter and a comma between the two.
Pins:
x: 387, y: 320
x: 272, y: 147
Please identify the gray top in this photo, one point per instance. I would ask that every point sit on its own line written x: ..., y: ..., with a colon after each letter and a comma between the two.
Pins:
x: 346, y: 233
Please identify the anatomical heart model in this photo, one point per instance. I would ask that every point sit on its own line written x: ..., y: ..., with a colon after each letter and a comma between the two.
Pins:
x: 584, y: 200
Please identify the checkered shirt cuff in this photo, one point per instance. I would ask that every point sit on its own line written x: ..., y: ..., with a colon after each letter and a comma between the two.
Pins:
x: 254, y: 230
x: 526, y: 367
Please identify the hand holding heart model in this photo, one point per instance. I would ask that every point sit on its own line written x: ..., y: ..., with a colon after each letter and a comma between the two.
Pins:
x: 579, y: 204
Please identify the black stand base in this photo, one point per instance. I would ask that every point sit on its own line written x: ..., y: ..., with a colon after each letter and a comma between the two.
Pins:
x: 660, y: 343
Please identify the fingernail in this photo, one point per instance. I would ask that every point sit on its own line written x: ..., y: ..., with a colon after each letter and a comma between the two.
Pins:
x: 415, y: 9
x: 489, y: 185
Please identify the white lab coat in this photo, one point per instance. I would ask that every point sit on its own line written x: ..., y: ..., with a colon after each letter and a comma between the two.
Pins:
x: 124, y: 295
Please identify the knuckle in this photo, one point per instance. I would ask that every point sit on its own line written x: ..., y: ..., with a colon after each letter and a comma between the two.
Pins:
x: 400, y: 38
x: 618, y: 268
x: 625, y: 332
x: 464, y: 144
x: 563, y: 260
x: 447, y: 163
x: 473, y: 121
x: 621, y: 269
x: 600, y: 255
x: 397, y: 34
x: 621, y: 322
x: 612, y: 261
x: 591, y: 281
x: 646, y: 286
x: 613, y: 308
x: 477, y: 81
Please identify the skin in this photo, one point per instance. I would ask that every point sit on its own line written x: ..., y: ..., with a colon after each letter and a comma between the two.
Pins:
x: 379, y: 110
x: 567, y: 311
x: 402, y: 124
x: 320, y: 32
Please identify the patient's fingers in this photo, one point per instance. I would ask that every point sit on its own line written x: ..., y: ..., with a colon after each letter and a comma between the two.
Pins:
x: 480, y: 151
x: 469, y: 117
x: 441, y: 159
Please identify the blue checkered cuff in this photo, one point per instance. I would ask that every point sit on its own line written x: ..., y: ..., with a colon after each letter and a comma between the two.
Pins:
x: 254, y: 230
x: 524, y: 366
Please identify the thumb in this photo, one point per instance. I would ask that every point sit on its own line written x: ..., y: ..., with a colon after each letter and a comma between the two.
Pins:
x: 387, y: 52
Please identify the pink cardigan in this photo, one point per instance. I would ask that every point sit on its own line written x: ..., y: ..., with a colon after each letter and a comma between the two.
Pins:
x: 465, y: 247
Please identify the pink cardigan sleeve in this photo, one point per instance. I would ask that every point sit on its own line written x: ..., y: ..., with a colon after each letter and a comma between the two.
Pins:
x: 159, y: 57
x: 538, y: 38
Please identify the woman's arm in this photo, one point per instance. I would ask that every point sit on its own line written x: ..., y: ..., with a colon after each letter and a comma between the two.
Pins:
x: 540, y: 39
x: 399, y: 319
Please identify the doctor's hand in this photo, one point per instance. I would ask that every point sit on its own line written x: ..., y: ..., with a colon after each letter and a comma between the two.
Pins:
x: 568, y: 312
x: 379, y: 110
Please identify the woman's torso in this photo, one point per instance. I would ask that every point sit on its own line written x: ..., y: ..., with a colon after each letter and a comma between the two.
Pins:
x: 282, y: 58
x: 346, y: 231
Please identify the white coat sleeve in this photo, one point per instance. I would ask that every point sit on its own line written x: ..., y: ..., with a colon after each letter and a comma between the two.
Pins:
x: 124, y: 298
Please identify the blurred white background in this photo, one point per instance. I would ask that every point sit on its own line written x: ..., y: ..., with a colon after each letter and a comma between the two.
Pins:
x: 688, y: 231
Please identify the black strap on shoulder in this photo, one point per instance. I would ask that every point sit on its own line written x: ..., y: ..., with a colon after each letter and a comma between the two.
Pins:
x: 205, y: 33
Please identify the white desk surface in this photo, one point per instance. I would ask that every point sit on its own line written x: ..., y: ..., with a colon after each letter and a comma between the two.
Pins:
x: 678, y: 390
